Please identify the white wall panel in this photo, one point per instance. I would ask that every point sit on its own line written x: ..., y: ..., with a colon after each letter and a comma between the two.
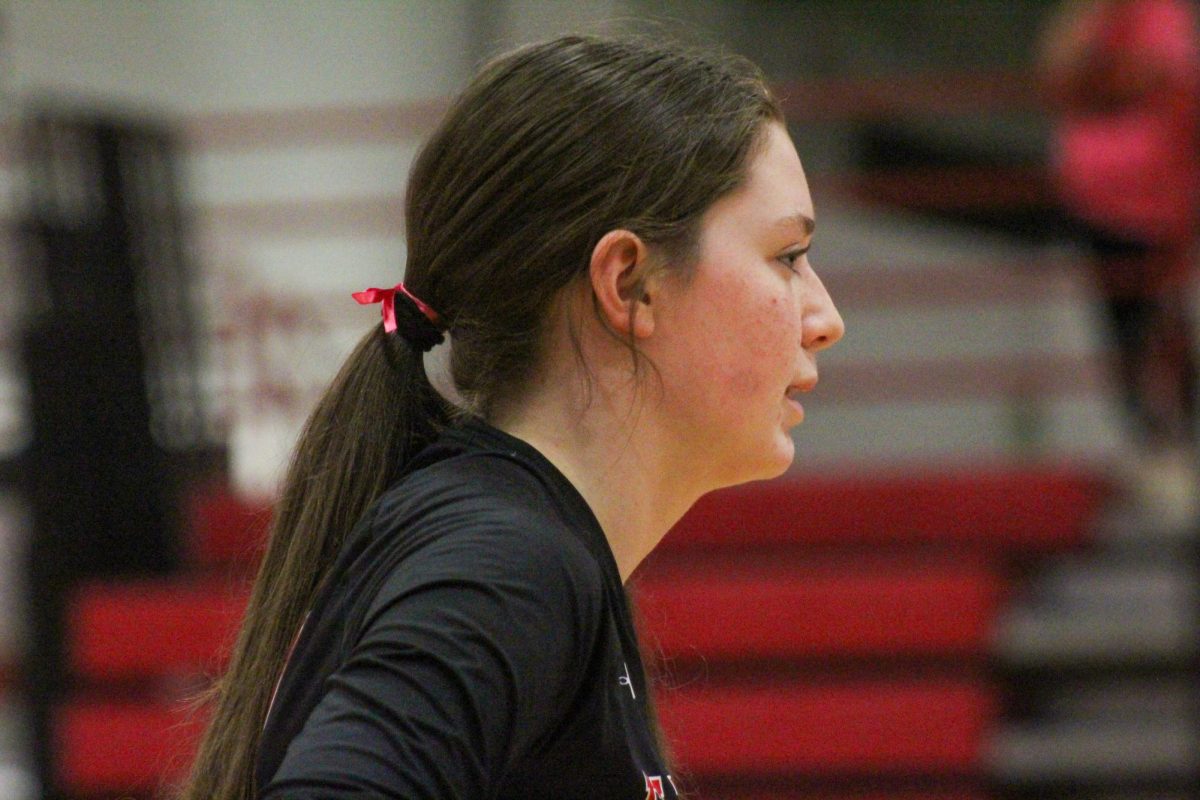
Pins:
x: 313, y: 173
x: 856, y: 437
x: 329, y: 267
x: 227, y: 54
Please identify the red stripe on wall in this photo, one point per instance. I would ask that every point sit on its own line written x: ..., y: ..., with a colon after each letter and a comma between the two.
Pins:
x: 938, y: 94
x: 935, y: 285
x: 977, y: 188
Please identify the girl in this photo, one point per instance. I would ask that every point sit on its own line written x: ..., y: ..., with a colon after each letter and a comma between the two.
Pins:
x: 613, y: 235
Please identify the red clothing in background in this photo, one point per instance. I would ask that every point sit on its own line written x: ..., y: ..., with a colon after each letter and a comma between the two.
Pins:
x: 1126, y: 150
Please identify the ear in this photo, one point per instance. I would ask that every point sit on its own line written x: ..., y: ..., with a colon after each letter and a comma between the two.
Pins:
x: 619, y: 267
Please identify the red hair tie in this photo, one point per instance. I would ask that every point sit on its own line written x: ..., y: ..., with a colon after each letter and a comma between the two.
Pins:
x: 416, y: 322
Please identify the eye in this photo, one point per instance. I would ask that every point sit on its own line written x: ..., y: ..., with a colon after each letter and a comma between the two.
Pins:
x: 792, y: 257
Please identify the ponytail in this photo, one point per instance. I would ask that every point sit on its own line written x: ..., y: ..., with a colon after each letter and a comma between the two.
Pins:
x: 378, y: 412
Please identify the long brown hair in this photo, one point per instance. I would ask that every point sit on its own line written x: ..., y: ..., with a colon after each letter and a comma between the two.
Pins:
x: 550, y: 147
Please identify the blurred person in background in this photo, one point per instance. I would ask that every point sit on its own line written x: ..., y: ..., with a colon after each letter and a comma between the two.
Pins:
x: 1122, y: 78
x: 614, y: 237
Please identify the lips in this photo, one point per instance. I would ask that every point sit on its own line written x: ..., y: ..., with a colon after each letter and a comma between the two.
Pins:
x: 792, y: 396
x: 801, y: 386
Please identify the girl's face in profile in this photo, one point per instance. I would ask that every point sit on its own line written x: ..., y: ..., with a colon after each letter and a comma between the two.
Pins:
x: 741, y: 336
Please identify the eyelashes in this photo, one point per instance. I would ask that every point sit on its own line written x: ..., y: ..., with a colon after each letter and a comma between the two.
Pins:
x: 791, y: 257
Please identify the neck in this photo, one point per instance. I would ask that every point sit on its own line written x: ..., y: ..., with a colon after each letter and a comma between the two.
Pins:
x: 619, y: 460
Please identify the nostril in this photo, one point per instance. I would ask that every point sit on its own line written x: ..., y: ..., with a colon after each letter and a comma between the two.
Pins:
x: 820, y: 341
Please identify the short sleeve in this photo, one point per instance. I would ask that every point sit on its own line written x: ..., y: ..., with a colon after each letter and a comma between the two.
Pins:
x: 472, y: 650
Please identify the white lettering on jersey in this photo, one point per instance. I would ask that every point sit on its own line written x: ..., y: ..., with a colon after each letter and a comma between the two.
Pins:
x: 625, y: 680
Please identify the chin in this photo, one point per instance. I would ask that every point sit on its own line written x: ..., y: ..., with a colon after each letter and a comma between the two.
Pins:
x: 781, y: 465
x: 784, y: 452
x: 778, y: 458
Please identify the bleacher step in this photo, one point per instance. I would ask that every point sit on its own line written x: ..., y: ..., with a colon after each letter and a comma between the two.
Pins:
x: 831, y: 728
x: 1102, y: 608
x: 194, y: 620
x: 1160, y: 749
x: 129, y: 747
x: 1064, y: 638
x: 800, y: 609
x: 1034, y: 508
x: 1123, y: 697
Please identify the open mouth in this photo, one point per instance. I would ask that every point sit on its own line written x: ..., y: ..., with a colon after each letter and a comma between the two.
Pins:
x: 806, y: 385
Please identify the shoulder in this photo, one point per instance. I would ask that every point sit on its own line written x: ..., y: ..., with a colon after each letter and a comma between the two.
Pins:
x: 490, y: 575
x: 481, y: 520
x: 479, y: 483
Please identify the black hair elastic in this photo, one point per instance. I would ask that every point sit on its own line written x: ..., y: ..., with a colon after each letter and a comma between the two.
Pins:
x: 413, y: 319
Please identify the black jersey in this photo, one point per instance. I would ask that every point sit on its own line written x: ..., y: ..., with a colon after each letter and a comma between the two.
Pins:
x: 472, y: 641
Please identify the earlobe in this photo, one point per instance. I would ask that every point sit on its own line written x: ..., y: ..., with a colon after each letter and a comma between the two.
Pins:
x: 618, y: 272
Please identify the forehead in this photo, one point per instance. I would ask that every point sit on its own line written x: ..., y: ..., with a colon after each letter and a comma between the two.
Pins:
x: 776, y: 191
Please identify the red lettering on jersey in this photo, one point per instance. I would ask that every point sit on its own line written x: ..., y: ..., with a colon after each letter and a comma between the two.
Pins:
x: 654, y: 788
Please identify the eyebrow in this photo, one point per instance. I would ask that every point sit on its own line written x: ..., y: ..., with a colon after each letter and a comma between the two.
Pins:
x: 802, y: 221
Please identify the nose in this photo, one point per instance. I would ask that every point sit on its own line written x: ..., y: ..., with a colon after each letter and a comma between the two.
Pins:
x: 822, y: 324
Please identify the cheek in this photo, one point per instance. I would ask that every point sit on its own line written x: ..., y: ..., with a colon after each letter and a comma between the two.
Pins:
x: 747, y: 383
x: 763, y: 358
